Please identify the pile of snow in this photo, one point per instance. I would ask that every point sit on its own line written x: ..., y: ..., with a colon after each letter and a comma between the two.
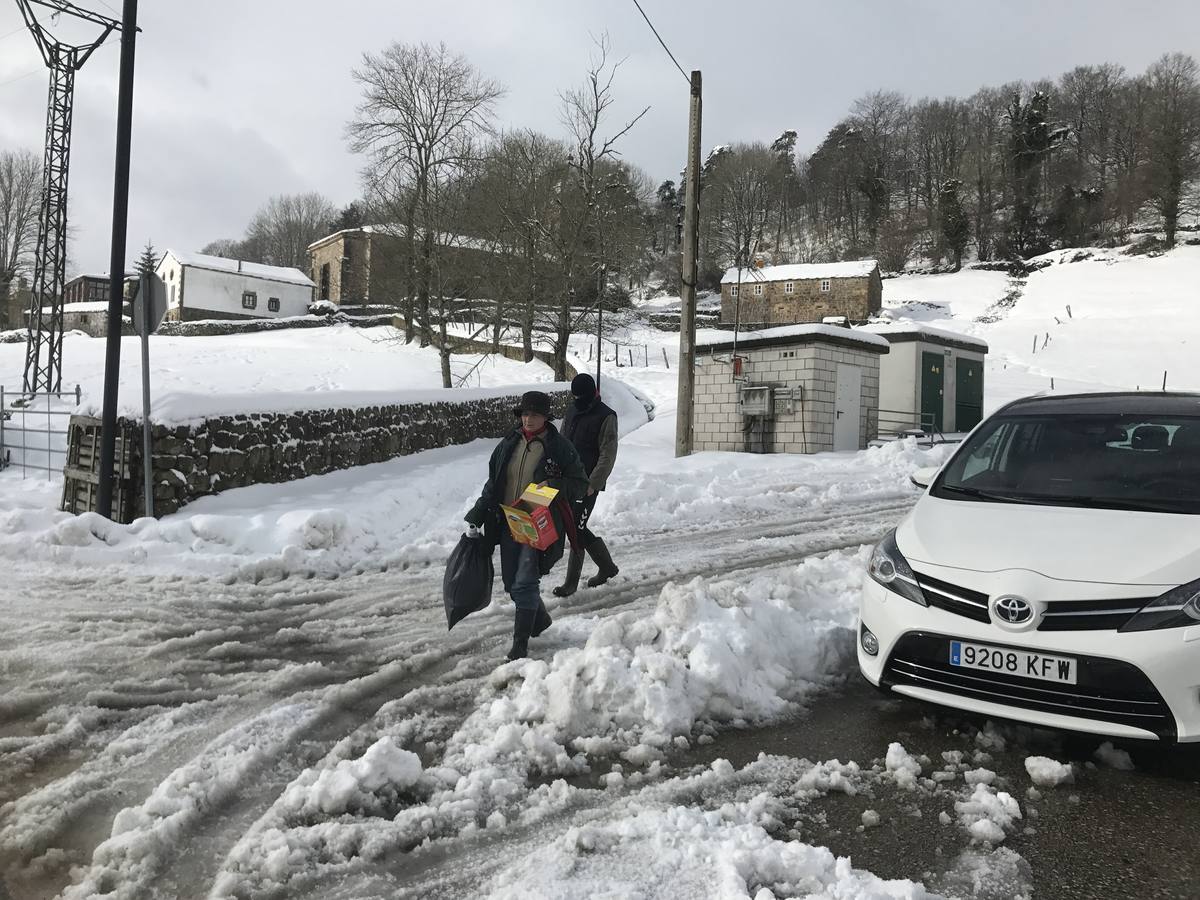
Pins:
x: 1046, y: 772
x: 988, y: 815
x: 1114, y: 757
x: 354, y: 784
x: 903, y: 766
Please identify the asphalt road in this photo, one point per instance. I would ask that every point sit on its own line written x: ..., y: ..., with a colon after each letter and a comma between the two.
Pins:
x: 1112, y: 834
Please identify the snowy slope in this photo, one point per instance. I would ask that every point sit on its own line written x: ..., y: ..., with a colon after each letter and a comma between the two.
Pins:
x: 1131, y: 319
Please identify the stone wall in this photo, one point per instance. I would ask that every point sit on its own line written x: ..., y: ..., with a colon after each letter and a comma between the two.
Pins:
x: 717, y: 424
x: 855, y: 298
x: 192, y: 461
x: 210, y: 327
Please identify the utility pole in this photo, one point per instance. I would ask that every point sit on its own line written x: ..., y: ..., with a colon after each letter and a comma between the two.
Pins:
x: 116, y: 268
x: 687, y: 315
x: 43, y: 352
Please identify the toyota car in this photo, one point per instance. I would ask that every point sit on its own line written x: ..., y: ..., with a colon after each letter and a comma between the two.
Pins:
x: 1050, y: 574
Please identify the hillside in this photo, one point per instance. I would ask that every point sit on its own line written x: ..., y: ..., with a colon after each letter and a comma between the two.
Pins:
x: 1130, y: 318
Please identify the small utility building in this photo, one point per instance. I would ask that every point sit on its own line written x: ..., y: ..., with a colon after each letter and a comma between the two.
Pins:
x: 932, y: 380
x: 794, y: 389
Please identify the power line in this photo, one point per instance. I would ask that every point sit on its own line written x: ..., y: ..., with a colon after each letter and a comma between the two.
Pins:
x: 36, y: 71
x: 661, y: 41
x: 11, y: 33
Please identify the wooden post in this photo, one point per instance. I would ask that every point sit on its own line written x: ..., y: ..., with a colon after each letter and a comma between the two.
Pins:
x: 687, y: 323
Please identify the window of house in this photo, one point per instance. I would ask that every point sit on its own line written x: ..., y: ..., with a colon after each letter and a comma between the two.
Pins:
x: 172, y: 295
x: 273, y: 304
x: 249, y: 300
x: 789, y: 287
x: 733, y: 290
x: 824, y: 285
x: 758, y: 290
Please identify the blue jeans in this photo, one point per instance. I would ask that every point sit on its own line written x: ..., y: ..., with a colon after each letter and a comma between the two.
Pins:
x: 520, y: 568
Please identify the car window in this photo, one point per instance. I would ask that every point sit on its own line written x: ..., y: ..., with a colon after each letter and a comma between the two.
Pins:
x: 1116, y: 461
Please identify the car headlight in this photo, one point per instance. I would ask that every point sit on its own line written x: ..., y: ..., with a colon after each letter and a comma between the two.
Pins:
x: 1177, y: 607
x: 889, y: 568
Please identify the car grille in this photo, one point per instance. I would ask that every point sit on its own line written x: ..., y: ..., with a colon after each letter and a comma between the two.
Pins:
x: 1107, y: 690
x: 1061, y: 615
x: 1088, y: 615
x: 952, y: 598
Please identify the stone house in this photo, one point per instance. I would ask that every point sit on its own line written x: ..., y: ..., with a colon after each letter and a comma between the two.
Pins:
x: 199, y: 287
x: 797, y: 294
x: 797, y: 389
x: 369, y: 265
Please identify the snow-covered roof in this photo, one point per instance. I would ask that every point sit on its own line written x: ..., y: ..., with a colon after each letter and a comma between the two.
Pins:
x: 90, y: 307
x: 919, y: 331
x: 445, y: 238
x: 795, y: 333
x: 856, y: 268
x: 255, y: 270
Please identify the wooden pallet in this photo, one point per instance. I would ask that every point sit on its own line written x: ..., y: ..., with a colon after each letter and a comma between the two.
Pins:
x: 81, y: 474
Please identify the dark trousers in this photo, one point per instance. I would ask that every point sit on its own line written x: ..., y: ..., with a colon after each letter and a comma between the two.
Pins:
x: 583, y: 512
x: 519, y: 567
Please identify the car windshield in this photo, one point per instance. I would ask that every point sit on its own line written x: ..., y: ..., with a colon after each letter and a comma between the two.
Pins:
x: 1149, y: 463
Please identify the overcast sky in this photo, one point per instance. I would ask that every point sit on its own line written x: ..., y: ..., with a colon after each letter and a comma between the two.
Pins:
x: 237, y: 100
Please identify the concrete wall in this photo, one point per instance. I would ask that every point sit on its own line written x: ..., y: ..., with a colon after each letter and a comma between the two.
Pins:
x: 811, y: 368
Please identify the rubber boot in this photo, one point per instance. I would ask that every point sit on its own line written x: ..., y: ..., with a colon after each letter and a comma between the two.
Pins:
x: 541, y: 622
x: 574, y: 570
x: 601, y: 557
x: 522, y: 627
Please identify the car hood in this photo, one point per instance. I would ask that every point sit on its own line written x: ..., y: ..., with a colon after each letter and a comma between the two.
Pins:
x: 1065, y: 543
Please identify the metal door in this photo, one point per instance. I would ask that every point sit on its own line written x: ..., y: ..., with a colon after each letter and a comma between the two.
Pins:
x: 968, y: 395
x: 932, y: 391
x: 847, y: 407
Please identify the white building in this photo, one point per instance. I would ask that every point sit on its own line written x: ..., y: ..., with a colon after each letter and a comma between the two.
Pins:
x: 932, y: 380
x: 792, y: 389
x: 211, y: 287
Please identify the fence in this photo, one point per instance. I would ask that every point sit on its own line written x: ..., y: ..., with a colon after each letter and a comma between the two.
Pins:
x: 33, y: 430
x: 908, y: 423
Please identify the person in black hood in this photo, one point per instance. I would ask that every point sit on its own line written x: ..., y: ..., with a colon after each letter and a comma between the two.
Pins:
x: 591, y: 425
x: 533, y: 453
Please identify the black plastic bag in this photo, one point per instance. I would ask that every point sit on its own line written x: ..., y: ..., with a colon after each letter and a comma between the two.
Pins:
x: 467, y: 586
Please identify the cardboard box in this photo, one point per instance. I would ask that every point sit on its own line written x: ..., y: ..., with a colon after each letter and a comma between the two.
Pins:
x: 529, y: 520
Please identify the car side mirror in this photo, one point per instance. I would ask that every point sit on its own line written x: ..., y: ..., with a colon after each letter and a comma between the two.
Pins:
x: 923, y: 478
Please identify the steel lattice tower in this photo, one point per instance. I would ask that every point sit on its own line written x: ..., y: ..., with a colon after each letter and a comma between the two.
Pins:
x: 43, y: 356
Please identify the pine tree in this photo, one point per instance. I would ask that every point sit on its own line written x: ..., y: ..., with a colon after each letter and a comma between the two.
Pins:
x: 956, y: 228
x: 148, y: 261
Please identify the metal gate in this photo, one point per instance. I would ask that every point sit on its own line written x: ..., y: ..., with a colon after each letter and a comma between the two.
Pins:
x: 33, y: 430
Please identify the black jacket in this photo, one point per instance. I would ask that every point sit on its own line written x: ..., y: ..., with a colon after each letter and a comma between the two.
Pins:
x: 572, y: 485
x: 595, y: 437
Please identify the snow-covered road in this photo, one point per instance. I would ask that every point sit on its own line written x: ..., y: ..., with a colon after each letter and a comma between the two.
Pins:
x: 176, y: 714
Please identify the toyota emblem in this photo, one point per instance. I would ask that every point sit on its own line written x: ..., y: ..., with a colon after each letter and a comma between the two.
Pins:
x: 1013, y: 610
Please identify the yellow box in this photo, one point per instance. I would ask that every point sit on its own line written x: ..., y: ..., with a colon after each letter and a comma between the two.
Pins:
x: 531, y: 521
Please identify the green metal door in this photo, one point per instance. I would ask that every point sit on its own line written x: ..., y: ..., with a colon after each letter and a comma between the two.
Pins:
x: 968, y: 394
x: 932, y: 384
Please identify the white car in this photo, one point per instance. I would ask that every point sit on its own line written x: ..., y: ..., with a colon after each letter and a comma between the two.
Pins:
x: 1051, y: 572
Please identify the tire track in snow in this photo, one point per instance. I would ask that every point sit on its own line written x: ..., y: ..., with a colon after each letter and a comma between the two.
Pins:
x: 406, y: 601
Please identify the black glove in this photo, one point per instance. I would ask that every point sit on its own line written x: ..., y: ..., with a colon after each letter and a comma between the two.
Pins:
x: 553, y: 469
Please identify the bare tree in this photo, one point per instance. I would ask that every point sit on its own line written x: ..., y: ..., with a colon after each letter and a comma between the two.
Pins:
x: 20, y: 196
x: 584, y: 110
x: 1174, y: 161
x: 423, y: 109
x: 285, y: 226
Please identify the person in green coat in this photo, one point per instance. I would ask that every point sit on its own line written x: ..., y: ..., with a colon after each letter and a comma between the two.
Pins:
x: 534, y: 453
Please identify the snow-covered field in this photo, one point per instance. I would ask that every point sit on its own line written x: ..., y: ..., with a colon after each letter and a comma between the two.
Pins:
x: 257, y: 696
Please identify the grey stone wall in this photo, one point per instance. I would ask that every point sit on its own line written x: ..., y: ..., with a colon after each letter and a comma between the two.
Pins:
x: 717, y: 424
x: 194, y: 461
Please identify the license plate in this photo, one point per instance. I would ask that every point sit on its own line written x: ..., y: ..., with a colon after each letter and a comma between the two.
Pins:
x: 1018, y: 663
